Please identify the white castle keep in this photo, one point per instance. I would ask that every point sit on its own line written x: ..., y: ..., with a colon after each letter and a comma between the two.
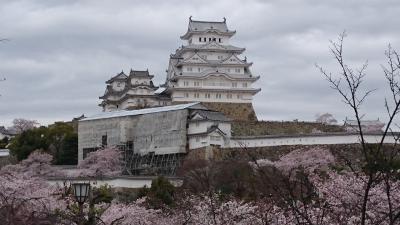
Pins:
x: 206, y: 69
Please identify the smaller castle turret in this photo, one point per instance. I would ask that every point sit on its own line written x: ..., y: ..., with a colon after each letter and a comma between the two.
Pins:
x: 133, y: 91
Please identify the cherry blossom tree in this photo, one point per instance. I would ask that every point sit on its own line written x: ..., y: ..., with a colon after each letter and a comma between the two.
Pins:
x: 326, y: 118
x: 103, y: 162
x: 380, y: 164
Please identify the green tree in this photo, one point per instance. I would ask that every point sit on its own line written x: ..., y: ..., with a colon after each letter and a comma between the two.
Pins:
x: 63, y: 143
x: 28, y: 141
x: 159, y: 194
x: 58, y: 139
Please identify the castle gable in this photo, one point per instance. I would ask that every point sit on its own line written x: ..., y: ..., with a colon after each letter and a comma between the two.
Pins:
x: 195, y: 58
x: 233, y: 59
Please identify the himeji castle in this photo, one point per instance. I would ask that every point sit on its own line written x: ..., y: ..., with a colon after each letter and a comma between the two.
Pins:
x: 207, y: 69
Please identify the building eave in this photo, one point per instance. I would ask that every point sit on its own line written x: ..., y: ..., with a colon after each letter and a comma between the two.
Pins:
x: 197, y: 77
x: 193, y: 89
x: 190, y: 33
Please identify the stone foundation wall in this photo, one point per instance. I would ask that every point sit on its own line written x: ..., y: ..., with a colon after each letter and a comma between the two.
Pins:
x: 341, y: 152
x: 235, y: 111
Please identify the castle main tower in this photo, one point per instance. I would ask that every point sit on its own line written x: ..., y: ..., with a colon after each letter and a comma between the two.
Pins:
x: 210, y: 70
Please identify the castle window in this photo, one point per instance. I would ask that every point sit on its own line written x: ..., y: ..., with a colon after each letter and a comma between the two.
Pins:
x: 190, y: 69
x: 199, y: 39
x: 208, y: 95
x: 244, y: 84
x: 218, y: 95
x: 186, y: 95
x: 229, y: 96
x: 104, y: 140
x: 196, y: 95
x: 185, y: 83
x: 229, y: 70
x: 204, y: 56
x: 209, y: 39
x: 205, y: 39
x: 214, y: 39
x: 234, y: 84
x: 196, y: 83
x: 219, y: 39
x: 118, y: 84
x: 199, y: 69
x: 238, y: 96
x: 220, y: 57
x: 237, y: 70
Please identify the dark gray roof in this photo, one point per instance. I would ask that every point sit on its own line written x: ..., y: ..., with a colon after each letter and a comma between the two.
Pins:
x: 210, y: 115
x: 196, y: 26
x: 121, y: 76
x: 140, y: 73
x: 122, y: 113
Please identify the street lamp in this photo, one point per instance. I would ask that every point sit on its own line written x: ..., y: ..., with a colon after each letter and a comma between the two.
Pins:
x: 81, y: 193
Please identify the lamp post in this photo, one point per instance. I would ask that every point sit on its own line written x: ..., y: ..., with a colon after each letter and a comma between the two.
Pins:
x: 81, y: 193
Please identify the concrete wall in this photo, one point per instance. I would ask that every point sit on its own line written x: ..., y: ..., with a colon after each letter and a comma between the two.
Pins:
x: 161, y: 132
x: 305, y: 140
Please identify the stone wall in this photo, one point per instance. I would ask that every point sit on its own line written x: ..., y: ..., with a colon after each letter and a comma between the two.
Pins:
x: 235, y: 111
x: 273, y: 153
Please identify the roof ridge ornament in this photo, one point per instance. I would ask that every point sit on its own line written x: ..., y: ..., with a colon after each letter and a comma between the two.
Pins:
x: 224, y: 19
x: 190, y: 18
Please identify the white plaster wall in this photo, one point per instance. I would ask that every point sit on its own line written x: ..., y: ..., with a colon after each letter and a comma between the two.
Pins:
x: 195, y: 39
x: 196, y: 127
x: 305, y: 140
x: 140, y: 80
x: 118, y: 182
x: 121, y: 85
x: 199, y: 126
x: 243, y: 97
x: 198, y: 142
x: 141, y: 91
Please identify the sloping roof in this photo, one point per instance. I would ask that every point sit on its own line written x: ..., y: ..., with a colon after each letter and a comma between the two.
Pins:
x: 210, y: 115
x: 123, y: 113
x: 209, y: 131
x: 196, y: 26
x: 120, y: 76
x: 140, y: 73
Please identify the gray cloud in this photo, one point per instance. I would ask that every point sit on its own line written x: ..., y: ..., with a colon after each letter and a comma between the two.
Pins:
x: 61, y: 52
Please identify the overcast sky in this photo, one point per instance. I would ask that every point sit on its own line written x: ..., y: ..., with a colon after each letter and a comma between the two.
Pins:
x: 60, y: 53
